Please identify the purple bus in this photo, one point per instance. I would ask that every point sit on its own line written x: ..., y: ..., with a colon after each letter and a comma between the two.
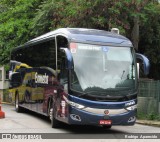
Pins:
x: 77, y: 76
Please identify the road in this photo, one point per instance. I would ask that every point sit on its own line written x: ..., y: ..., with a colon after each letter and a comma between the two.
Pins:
x: 29, y: 122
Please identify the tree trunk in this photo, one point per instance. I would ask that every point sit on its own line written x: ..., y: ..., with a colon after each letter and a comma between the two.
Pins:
x: 135, y: 33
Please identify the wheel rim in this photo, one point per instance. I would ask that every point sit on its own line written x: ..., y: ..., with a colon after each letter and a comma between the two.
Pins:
x: 16, y: 102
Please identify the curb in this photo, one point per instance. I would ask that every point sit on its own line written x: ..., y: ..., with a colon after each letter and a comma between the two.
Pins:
x: 149, y: 123
x: 7, y: 103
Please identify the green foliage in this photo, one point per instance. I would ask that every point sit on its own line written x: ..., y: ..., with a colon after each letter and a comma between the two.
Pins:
x: 14, y: 25
x: 44, y: 17
x: 21, y: 20
x: 105, y: 15
x: 150, y: 116
x: 150, y: 38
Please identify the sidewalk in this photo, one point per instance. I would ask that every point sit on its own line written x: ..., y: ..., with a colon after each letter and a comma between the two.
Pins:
x: 149, y: 122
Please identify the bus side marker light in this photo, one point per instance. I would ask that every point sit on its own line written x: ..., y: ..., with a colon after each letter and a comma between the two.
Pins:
x: 73, y: 47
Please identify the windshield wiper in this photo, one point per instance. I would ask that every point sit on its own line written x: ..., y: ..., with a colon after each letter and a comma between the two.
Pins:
x: 129, y: 96
x: 125, y: 97
x: 112, y: 98
x: 84, y: 94
x: 116, y: 98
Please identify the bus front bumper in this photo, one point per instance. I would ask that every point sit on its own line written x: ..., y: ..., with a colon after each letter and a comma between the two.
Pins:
x: 82, y: 117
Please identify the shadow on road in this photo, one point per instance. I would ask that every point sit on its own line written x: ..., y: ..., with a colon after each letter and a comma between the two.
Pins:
x: 76, y: 129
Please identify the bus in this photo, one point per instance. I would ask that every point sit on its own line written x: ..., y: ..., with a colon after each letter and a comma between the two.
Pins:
x: 77, y: 76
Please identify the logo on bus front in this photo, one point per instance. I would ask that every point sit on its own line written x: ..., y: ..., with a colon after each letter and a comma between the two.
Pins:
x: 106, y: 112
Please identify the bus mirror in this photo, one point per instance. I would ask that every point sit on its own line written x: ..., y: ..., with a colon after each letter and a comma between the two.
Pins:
x: 146, y: 64
x: 15, y: 80
x: 10, y: 74
x: 69, y: 63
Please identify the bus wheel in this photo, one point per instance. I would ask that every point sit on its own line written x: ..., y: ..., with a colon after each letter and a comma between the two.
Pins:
x: 54, y: 123
x: 17, y: 107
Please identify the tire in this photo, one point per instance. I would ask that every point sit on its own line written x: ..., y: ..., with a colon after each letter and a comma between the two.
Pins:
x: 54, y: 122
x: 17, y: 107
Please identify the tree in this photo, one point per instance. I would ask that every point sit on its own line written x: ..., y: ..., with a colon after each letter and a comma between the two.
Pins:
x: 15, y: 21
x: 21, y: 20
x: 150, y: 38
x: 70, y: 13
x: 100, y: 14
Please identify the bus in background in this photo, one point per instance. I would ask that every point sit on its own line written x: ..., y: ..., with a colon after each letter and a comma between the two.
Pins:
x: 78, y: 76
x: 14, y: 67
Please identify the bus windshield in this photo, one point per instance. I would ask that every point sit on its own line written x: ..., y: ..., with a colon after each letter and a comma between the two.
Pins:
x: 101, y: 69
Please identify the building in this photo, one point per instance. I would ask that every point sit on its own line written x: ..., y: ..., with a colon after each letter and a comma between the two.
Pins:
x: 4, y: 84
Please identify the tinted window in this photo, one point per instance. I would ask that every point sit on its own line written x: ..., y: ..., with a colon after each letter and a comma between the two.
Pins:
x: 42, y: 54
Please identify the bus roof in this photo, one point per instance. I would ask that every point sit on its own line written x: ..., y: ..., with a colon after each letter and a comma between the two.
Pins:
x: 84, y: 35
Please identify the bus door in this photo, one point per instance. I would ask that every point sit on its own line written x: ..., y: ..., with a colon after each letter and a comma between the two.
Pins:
x: 62, y: 90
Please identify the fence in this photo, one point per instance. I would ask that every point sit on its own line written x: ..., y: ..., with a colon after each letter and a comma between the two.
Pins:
x: 149, y: 97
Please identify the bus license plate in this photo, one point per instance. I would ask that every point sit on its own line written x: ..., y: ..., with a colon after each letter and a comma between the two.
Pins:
x: 105, y: 122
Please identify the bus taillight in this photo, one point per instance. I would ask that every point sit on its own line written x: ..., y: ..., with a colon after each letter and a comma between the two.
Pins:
x: 73, y: 47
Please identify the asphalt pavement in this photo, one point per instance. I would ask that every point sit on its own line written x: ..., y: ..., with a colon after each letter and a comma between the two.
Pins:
x: 143, y: 122
x: 32, y: 123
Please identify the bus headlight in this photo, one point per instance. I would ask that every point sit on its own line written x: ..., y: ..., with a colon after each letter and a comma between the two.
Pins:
x: 129, y: 108
x: 73, y: 104
x: 76, y: 105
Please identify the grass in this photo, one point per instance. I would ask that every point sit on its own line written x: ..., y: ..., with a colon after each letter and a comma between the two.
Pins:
x: 149, y: 116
